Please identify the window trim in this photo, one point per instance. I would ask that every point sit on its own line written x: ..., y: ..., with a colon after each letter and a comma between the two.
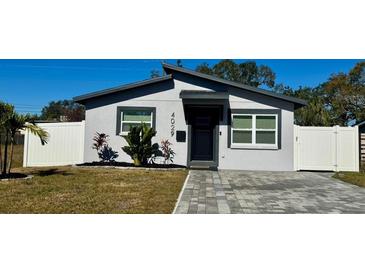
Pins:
x: 121, y: 109
x: 255, y: 112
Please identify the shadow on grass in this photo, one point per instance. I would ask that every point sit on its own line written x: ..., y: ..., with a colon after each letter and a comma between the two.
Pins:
x: 13, y: 176
x: 50, y: 172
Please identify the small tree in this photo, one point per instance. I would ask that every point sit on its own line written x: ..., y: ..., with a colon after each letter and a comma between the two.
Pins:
x: 167, y: 153
x: 11, y: 123
x: 140, y: 147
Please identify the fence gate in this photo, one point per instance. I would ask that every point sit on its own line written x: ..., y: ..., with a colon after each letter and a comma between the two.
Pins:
x: 65, y: 145
x: 326, y: 148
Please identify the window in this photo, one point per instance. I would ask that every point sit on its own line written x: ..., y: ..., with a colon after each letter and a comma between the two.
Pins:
x: 129, y: 117
x: 254, y: 130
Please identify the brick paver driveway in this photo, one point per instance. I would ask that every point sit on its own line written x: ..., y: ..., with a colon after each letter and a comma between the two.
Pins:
x: 268, y: 192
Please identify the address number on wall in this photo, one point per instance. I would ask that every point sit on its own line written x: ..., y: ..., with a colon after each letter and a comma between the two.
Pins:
x: 172, y: 122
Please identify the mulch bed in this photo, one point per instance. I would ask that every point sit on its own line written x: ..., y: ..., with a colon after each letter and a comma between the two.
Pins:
x: 130, y: 165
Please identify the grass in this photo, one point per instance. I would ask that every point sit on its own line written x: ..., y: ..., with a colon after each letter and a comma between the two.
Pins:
x: 356, y: 178
x: 91, y: 190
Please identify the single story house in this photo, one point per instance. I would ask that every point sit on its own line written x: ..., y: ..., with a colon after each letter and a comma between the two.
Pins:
x: 211, y: 122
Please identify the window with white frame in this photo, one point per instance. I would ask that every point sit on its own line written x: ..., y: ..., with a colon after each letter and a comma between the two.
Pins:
x: 254, y: 130
x: 134, y: 117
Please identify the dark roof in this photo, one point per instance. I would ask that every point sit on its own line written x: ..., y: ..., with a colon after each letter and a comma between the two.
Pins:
x: 169, y: 68
x: 122, y: 88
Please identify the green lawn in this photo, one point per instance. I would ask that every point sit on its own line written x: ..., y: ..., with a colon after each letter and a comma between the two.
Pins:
x: 91, y: 190
x: 356, y: 178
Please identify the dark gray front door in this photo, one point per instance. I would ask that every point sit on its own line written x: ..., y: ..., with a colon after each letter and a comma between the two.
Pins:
x: 202, y: 137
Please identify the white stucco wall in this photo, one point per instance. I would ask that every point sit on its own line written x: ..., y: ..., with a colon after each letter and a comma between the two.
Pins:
x: 101, y: 116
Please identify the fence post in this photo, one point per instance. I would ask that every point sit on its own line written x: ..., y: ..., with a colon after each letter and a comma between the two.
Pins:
x: 25, y: 148
x: 82, y: 142
x: 296, y: 147
x: 336, y: 132
x: 357, y: 151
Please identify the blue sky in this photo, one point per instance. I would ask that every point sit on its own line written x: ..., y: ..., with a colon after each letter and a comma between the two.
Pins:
x: 31, y: 84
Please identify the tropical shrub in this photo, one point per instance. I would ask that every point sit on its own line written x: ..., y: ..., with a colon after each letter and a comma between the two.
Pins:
x: 167, y: 152
x: 104, y: 151
x: 140, y: 147
x: 107, y: 154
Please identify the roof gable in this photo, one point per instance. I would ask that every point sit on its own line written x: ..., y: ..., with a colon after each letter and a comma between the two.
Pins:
x: 171, y: 69
x: 91, y: 95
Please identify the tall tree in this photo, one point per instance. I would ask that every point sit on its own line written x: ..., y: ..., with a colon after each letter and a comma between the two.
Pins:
x: 282, y: 89
x: 344, y: 95
x: 338, y: 101
x: 155, y: 73
x: 63, y: 109
x: 227, y: 69
x: 315, y: 113
x: 204, y: 68
x: 248, y: 73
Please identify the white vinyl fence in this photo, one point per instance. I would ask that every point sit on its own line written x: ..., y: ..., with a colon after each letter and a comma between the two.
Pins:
x: 65, y: 145
x: 315, y: 148
x: 326, y: 148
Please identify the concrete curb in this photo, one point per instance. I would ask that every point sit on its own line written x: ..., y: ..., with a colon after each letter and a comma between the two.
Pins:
x: 181, y: 192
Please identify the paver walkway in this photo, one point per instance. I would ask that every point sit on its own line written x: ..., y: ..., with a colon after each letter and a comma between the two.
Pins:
x: 268, y: 192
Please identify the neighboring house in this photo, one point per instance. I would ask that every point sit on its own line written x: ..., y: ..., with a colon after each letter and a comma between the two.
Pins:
x: 211, y: 122
x: 362, y: 140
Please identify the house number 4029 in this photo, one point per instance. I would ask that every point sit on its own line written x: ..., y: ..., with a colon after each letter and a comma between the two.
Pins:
x: 172, y: 120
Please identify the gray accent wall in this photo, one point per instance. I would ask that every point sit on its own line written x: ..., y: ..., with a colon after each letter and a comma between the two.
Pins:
x: 281, y: 159
x: 101, y: 116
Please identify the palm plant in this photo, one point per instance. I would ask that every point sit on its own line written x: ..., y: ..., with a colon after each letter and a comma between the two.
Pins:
x: 11, y: 123
x: 5, y: 111
x: 140, y: 147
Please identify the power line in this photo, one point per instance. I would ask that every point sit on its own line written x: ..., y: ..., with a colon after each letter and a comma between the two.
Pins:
x: 29, y: 110
x: 24, y: 105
